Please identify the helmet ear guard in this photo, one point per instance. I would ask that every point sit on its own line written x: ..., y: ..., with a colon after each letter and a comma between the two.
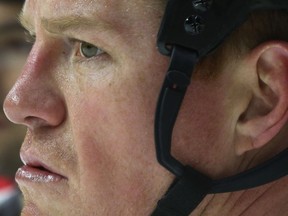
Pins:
x: 192, y: 29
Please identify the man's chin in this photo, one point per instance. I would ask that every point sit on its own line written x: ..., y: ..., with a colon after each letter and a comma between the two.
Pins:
x: 29, y: 209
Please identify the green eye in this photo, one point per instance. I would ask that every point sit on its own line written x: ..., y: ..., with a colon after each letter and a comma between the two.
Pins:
x: 88, y: 50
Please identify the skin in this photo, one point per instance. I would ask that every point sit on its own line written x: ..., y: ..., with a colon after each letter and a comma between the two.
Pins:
x: 11, y: 135
x: 91, y: 120
x: 65, y: 139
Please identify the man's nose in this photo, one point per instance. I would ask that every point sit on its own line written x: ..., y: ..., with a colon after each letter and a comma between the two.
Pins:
x: 35, y: 100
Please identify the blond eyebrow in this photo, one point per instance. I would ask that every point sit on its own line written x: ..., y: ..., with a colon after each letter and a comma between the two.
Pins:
x: 25, y: 22
x: 62, y: 24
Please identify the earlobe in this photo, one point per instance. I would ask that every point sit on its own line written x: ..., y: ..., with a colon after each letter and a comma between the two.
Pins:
x: 267, y: 111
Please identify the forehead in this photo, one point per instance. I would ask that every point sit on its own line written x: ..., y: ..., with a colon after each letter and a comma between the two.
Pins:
x: 106, y: 9
x: 81, y: 7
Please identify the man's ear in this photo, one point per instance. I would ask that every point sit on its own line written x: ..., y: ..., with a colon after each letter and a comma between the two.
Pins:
x: 266, y: 111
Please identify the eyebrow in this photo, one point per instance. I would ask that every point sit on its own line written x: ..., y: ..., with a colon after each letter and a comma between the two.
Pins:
x: 24, y: 22
x: 65, y: 23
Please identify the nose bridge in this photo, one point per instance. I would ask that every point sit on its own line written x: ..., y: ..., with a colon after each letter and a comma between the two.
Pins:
x: 38, y: 61
x: 31, y: 82
x: 34, y: 99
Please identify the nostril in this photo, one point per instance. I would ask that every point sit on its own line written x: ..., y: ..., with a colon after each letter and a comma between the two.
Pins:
x: 35, y: 122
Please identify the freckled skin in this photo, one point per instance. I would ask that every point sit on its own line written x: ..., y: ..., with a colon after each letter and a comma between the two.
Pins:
x: 93, y: 119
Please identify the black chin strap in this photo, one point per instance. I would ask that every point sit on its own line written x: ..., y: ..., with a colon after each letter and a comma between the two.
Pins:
x: 184, y: 195
x: 191, y: 186
x: 172, y: 93
x: 190, y: 189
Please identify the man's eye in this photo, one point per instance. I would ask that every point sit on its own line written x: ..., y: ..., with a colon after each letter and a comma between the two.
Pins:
x: 88, y: 50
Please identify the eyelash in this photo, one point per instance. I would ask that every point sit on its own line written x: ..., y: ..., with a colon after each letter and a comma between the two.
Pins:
x: 79, y: 57
x: 30, y: 37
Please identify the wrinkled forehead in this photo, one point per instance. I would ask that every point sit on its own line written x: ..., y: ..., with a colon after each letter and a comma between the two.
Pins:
x: 56, y: 7
x: 106, y: 9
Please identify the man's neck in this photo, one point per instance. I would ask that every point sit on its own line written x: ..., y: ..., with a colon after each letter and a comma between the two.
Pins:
x: 268, y: 200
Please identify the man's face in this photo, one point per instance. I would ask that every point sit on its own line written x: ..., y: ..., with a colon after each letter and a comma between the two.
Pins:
x: 13, y: 52
x: 88, y: 94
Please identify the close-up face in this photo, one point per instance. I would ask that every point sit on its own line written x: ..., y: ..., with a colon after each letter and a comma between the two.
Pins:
x: 87, y: 95
x: 13, y: 53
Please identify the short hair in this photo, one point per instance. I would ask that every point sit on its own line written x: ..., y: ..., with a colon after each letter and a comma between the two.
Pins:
x: 260, y: 27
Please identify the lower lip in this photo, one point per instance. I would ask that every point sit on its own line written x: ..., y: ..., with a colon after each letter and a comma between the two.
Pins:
x: 35, y: 175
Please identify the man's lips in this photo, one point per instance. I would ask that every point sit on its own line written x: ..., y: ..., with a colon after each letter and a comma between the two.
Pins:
x: 37, y: 174
x: 34, y: 170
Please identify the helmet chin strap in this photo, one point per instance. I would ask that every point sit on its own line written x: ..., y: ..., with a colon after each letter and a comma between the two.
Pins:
x: 191, y: 29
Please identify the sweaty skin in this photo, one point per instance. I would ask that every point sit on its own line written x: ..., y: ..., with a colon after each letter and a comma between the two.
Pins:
x: 91, y: 119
